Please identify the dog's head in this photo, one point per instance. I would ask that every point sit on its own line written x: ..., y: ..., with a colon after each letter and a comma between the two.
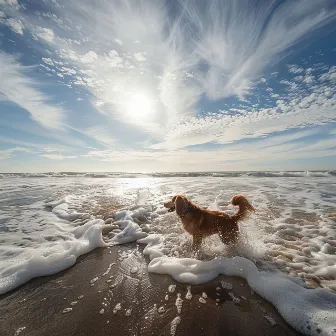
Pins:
x: 179, y: 203
x: 171, y: 204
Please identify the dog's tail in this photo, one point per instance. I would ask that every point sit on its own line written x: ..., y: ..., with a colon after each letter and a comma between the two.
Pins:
x: 245, y: 207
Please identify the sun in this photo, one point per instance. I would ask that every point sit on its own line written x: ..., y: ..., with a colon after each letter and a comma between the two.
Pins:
x: 140, y: 106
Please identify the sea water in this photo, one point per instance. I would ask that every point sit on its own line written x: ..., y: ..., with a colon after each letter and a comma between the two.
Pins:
x: 287, y: 247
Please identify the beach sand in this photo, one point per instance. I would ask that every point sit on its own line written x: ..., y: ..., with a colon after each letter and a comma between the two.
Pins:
x: 37, y: 307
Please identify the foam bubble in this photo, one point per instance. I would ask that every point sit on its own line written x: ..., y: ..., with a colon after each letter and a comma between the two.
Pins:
x: 19, y: 331
x: 188, y: 295
x: 226, y: 285
x: 270, y: 320
x: 174, y: 324
x: 66, y: 310
x: 117, y: 308
x: 179, y: 303
x: 234, y: 298
x: 130, y: 231
x: 171, y: 288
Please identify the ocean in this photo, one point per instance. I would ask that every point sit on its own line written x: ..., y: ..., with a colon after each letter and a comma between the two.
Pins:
x: 287, y: 249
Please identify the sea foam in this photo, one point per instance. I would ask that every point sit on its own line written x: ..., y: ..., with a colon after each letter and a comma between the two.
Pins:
x: 50, y: 257
x: 310, y: 311
x: 292, y: 231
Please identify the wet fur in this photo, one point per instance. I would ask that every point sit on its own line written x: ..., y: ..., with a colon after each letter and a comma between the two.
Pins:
x: 201, y: 223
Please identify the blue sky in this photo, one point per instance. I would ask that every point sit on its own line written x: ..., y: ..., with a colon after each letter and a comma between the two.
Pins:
x: 133, y: 85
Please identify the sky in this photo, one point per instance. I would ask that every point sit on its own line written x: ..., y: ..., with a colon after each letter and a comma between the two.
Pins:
x: 167, y: 85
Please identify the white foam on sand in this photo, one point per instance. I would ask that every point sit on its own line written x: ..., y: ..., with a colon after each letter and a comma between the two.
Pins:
x: 50, y: 257
x: 311, y: 311
x: 19, y: 331
x: 202, y: 300
x: 161, y: 310
x: 179, y: 303
x: 174, y: 324
x: 117, y: 308
x: 66, y: 310
x: 188, y: 295
x: 130, y: 230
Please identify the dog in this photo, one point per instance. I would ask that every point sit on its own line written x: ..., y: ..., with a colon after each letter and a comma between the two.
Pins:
x: 201, y: 223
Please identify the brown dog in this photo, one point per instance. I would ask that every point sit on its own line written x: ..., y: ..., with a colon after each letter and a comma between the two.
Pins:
x: 201, y: 223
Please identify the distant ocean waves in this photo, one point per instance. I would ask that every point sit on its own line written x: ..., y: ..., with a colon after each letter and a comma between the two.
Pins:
x: 179, y: 174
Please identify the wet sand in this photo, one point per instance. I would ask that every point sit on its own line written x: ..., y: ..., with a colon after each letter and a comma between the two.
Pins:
x: 38, y: 305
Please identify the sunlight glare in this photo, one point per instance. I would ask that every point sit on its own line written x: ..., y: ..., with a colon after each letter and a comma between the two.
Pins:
x: 140, y: 106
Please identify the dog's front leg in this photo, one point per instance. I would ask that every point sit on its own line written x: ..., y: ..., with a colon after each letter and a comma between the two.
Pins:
x: 197, y: 242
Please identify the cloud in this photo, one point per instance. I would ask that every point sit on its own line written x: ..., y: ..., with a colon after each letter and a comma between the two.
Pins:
x: 57, y: 156
x: 15, y: 25
x: 6, y: 154
x: 178, y: 58
x: 21, y: 89
x: 141, y: 61
x: 45, y: 34
x: 295, y: 69
x: 330, y: 75
x: 10, y: 3
x: 40, y: 148
x: 168, y: 157
x: 173, y: 56
x: 237, y: 51
x: 299, y: 109
x: 48, y: 61
x: 101, y: 134
x: 140, y: 57
x: 268, y: 151
x: 228, y: 129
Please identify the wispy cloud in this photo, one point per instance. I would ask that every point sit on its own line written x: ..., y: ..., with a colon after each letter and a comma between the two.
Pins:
x: 47, y: 147
x: 57, y: 156
x: 101, y: 134
x: 172, y: 54
x: 162, y: 66
x: 21, y: 89
x: 45, y: 34
x: 301, y: 107
x: 10, y: 3
x: 15, y: 25
x: 8, y: 153
x: 267, y: 151
x: 238, y: 50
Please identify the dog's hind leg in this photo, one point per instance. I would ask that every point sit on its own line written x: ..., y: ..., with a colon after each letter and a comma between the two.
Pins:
x: 228, y: 237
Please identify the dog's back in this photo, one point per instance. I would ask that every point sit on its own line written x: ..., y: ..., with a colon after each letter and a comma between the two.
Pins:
x: 223, y: 224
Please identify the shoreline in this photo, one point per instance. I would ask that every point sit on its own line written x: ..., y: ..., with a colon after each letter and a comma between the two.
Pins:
x: 91, y: 289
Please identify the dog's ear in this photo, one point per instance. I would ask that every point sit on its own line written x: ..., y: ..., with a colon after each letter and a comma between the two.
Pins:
x: 186, y: 201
